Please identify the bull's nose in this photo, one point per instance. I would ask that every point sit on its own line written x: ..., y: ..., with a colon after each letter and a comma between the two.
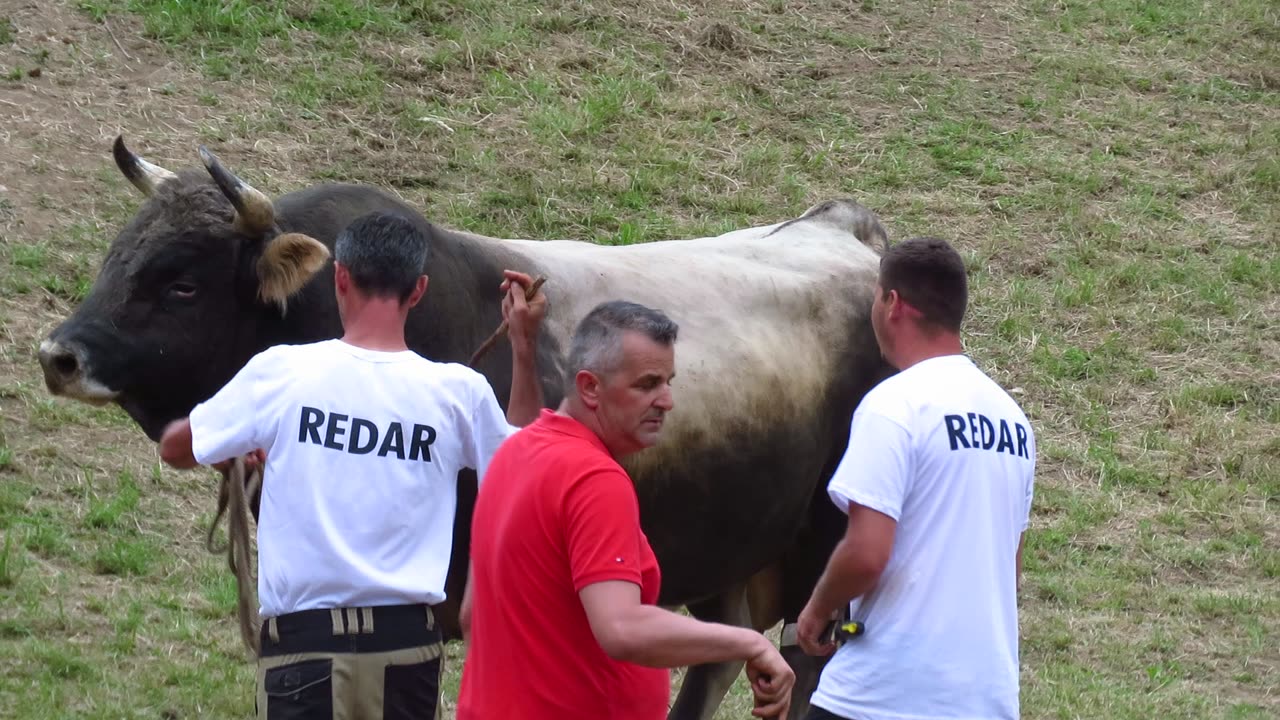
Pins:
x: 61, y: 365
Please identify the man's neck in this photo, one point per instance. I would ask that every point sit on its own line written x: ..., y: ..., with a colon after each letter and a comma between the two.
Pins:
x: 583, y: 415
x: 928, y: 348
x: 376, y: 324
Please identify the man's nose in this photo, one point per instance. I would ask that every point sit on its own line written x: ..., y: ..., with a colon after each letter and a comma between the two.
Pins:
x: 665, y: 401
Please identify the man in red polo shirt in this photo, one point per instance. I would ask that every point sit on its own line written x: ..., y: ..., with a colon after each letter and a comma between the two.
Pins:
x: 559, y: 611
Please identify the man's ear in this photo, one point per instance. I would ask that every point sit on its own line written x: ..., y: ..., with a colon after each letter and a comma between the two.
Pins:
x: 588, y: 386
x: 894, y: 307
x: 287, y: 263
x: 341, y: 277
x: 899, y: 309
x: 418, y: 291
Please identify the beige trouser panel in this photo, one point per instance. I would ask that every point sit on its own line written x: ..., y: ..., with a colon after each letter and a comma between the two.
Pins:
x: 358, y: 680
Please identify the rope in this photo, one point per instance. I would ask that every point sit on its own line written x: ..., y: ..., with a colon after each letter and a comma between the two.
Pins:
x: 233, y: 501
x: 492, y: 340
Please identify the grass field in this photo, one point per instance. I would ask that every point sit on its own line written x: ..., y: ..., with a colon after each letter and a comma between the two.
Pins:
x: 1110, y: 168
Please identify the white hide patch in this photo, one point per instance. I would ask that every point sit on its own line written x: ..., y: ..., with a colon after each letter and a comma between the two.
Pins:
x: 82, y: 386
x: 760, y: 315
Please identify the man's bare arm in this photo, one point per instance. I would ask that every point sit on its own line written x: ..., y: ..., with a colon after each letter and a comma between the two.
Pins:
x: 630, y: 631
x: 1021, y: 539
x: 523, y: 319
x: 857, y: 561
x: 175, y: 445
x: 853, y: 569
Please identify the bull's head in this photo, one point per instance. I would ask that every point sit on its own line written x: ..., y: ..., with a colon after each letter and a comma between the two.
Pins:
x: 182, y: 292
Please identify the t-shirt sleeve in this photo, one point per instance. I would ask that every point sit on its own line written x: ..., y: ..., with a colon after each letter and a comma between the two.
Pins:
x: 602, y: 529
x: 489, y: 429
x: 231, y: 423
x: 875, y: 471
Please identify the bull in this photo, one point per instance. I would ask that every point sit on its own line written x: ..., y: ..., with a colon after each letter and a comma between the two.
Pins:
x: 776, y: 351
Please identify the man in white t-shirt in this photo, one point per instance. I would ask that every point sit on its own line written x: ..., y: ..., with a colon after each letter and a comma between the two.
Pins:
x: 365, y: 439
x: 937, y: 483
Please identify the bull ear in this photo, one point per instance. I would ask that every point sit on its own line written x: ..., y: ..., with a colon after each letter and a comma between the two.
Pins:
x: 287, y: 263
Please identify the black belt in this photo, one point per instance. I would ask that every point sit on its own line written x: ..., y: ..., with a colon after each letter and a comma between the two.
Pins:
x: 382, y: 628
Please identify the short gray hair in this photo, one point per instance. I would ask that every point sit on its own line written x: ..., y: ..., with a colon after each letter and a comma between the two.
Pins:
x: 596, y: 345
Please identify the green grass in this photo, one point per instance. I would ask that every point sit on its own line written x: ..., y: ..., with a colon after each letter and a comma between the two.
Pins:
x: 111, y: 512
x: 12, y: 562
x: 1109, y: 169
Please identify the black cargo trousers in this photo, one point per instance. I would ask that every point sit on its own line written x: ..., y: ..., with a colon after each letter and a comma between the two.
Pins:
x: 368, y: 663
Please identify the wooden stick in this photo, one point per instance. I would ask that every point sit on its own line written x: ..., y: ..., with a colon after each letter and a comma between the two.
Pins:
x: 488, y: 344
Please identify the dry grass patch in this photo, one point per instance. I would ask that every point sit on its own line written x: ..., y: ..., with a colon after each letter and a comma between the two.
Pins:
x: 1108, y: 168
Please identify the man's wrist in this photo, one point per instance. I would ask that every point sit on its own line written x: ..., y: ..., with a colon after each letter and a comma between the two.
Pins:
x: 821, y: 603
x: 523, y: 354
x: 754, y: 644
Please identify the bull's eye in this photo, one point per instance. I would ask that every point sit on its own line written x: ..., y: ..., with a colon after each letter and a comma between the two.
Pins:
x: 182, y: 290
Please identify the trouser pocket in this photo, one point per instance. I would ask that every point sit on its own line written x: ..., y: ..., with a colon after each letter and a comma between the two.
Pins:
x: 300, y: 691
x: 410, y: 692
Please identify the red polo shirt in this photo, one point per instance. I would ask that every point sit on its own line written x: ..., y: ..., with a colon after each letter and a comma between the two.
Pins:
x: 555, y: 514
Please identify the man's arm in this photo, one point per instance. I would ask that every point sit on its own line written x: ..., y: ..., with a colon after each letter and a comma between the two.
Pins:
x: 526, y: 391
x: 464, y: 609
x: 630, y: 631
x: 523, y: 319
x: 606, y: 551
x: 648, y: 635
x: 853, y: 569
x: 175, y: 445
x: 1021, y: 539
x: 177, y: 449
x: 227, y: 425
x: 870, y: 484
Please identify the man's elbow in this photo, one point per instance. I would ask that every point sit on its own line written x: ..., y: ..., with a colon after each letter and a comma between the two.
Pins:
x: 175, y: 458
x: 616, y: 642
x: 175, y: 445
x: 868, y: 565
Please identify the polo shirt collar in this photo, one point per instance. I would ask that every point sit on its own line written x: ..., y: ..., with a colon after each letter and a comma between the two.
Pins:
x: 565, y: 425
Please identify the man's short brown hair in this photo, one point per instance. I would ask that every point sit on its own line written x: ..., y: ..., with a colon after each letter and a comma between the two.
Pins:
x: 929, y: 276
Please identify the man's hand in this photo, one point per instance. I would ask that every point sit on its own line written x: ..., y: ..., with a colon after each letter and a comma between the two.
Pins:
x: 523, y: 317
x: 771, y: 682
x: 809, y: 631
x: 252, y: 461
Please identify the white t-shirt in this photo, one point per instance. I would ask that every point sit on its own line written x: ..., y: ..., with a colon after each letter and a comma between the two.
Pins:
x: 944, y: 451
x: 363, y: 452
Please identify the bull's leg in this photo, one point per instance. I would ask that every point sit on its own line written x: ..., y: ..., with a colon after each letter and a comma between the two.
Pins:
x: 705, y: 686
x: 808, y: 671
x: 801, y: 567
x: 766, y: 596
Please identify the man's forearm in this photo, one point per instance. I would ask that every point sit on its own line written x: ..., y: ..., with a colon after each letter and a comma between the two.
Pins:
x: 176, y: 445
x: 465, y: 607
x: 846, y: 577
x: 526, y: 391
x: 655, y: 637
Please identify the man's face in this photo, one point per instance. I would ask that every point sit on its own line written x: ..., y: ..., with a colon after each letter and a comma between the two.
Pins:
x: 341, y: 289
x: 879, y: 321
x: 635, y: 398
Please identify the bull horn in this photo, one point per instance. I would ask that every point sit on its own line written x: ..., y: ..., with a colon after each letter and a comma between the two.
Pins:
x: 255, y: 213
x: 144, y: 176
